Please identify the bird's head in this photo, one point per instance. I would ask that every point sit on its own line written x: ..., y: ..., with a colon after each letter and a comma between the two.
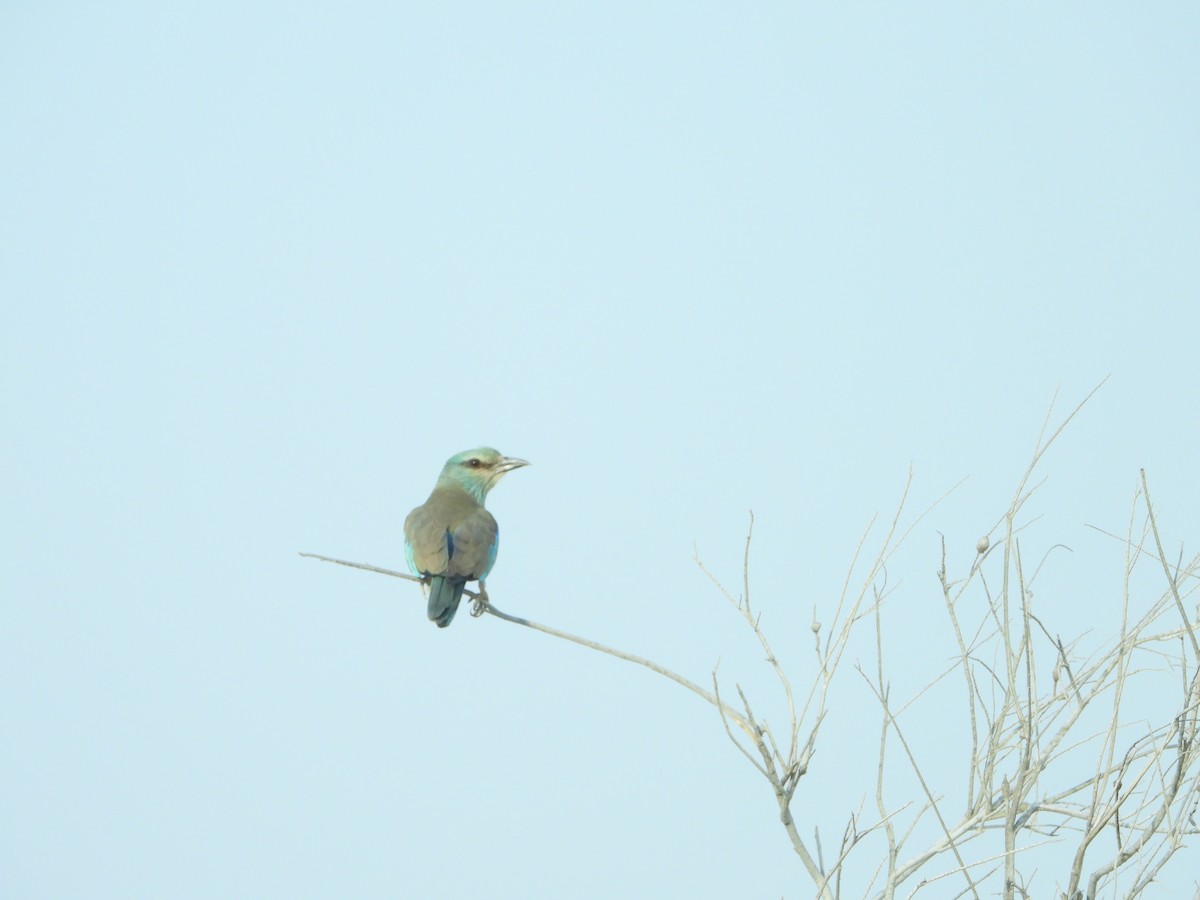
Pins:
x: 477, y: 471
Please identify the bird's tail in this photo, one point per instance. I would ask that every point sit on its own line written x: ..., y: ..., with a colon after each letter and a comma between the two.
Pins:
x: 444, y: 597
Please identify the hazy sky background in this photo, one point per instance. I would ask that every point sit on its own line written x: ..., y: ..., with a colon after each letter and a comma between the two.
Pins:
x: 265, y: 266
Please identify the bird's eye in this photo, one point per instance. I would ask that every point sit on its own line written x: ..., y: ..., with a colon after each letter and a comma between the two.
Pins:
x: 474, y: 463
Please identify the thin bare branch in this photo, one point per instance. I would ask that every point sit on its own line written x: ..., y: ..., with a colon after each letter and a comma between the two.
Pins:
x: 369, y: 568
x: 1167, y: 570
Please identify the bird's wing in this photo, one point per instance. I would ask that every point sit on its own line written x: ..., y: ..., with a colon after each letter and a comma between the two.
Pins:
x: 425, y: 543
x: 474, y: 538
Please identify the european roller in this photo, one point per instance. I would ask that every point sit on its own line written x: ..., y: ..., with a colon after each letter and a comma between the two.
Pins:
x: 451, y: 539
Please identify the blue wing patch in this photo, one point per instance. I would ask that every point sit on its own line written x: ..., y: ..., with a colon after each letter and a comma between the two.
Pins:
x: 492, y: 550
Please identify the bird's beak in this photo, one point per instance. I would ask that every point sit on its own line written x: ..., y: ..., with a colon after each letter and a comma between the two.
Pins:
x: 508, y: 463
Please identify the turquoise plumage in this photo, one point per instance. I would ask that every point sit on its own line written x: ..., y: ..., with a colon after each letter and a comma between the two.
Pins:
x: 451, y: 538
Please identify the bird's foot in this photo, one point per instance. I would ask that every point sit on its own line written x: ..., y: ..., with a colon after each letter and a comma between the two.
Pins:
x: 480, y: 604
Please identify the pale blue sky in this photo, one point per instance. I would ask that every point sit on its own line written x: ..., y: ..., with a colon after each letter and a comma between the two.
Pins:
x: 266, y: 265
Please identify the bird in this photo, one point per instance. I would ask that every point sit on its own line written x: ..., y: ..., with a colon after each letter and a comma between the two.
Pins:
x: 451, y: 539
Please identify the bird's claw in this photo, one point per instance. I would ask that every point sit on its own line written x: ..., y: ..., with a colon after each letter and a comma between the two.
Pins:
x: 480, y: 604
